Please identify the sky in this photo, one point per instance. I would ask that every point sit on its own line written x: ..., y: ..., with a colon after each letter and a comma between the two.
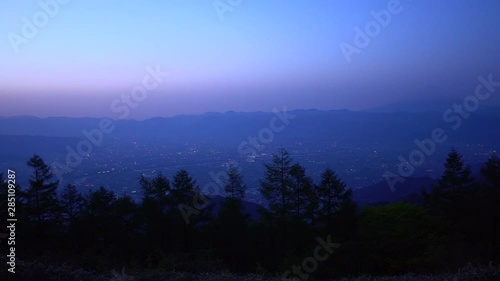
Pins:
x: 93, y: 58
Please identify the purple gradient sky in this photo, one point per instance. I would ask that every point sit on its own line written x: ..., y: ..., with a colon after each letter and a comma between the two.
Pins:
x: 264, y: 54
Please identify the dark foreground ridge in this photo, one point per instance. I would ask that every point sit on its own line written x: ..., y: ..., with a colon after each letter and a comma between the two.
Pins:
x: 308, y: 229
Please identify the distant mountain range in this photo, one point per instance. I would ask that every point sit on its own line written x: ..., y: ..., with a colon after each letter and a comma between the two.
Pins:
x: 438, y: 106
x: 306, y: 124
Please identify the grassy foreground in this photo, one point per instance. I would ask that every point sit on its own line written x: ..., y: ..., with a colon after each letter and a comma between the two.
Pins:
x: 38, y: 271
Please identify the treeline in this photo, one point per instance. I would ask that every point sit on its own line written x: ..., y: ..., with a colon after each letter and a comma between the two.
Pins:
x: 175, y: 227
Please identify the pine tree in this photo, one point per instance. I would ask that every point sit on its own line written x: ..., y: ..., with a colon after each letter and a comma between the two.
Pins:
x: 157, y: 189
x: 155, y: 207
x: 454, y: 187
x: 232, y: 220
x: 336, y: 207
x: 456, y: 198
x: 304, y: 199
x: 234, y: 186
x: 277, y: 186
x: 98, y: 203
x: 184, y: 188
x: 491, y: 172
x: 125, y: 226
x: 232, y: 216
x: 490, y: 213
x: 98, y: 222
x: 277, y: 190
x: 456, y: 176
x: 331, y: 192
x: 41, y: 197
x: 71, y: 203
x: 184, y: 193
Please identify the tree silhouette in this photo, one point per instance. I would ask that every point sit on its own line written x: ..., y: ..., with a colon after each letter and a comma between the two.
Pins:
x: 157, y: 189
x: 98, y: 223
x: 234, y: 186
x: 98, y: 203
x: 331, y: 192
x: 454, y: 188
x: 125, y: 229
x: 304, y: 199
x: 71, y: 203
x: 336, y: 207
x: 232, y: 221
x: 462, y: 202
x: 488, y: 203
x: 41, y: 197
x: 231, y: 215
x: 456, y: 176
x: 277, y: 190
x: 156, y: 207
x: 103, y: 229
x: 184, y: 188
x: 184, y: 192
x: 491, y: 172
